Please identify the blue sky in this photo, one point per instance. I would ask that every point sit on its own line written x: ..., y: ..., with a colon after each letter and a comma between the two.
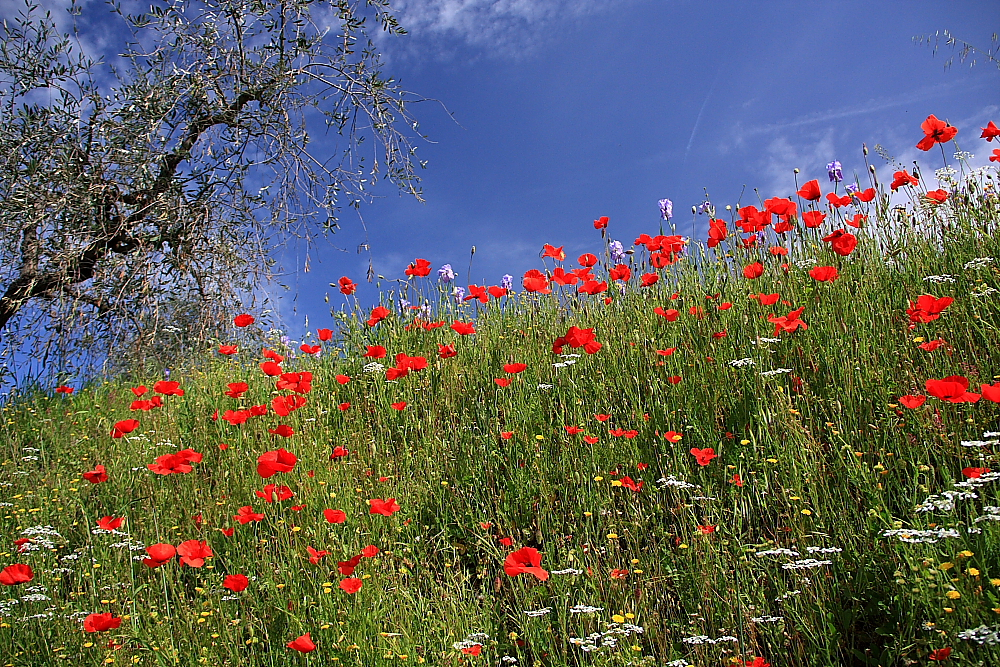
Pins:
x: 567, y: 111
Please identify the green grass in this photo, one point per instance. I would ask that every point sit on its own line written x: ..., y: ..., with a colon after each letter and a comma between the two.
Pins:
x: 829, y: 460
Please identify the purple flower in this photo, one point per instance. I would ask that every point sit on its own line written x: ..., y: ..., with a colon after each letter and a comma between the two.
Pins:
x: 617, y: 251
x: 507, y: 282
x: 666, y: 209
x: 834, y: 171
x: 446, y: 274
x: 853, y: 187
x: 403, y: 304
x: 458, y: 293
x: 706, y: 207
x: 166, y: 373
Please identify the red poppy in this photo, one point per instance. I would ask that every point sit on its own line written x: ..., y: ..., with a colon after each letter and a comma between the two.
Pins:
x: 837, y: 201
x: 506, y: 435
x: 335, y: 516
x: 351, y: 585
x: 243, y: 320
x: 766, y: 299
x: 346, y: 285
x: 170, y: 464
x: 937, y: 196
x: 168, y: 388
x: 386, y: 507
x: 717, y: 232
x: 315, y: 555
x: 602, y: 222
x: 912, y: 401
x: 463, y: 328
x: 526, y: 560
x: 535, y: 281
x: 575, y: 338
x: 273, y: 462
x: 813, y: 219
x: 674, y: 379
x: 97, y: 475
x: 901, y: 178
x: 932, y: 345
x: 573, y: 430
x: 418, y: 268
x: 159, y: 554
x: 995, y: 157
x: 667, y: 352
x: 379, y: 313
x: 310, y: 349
x: 953, y: 389
x: 752, y: 221
x: 757, y: 662
x: 928, y: 308
x: 270, y: 368
x: 324, y: 334
x: 671, y: 314
x: 788, y: 323
x: 736, y: 480
x: 302, y: 644
x: 591, y: 439
x: 990, y: 132
x: 781, y: 207
x: 621, y: 272
x: 300, y: 383
x: 975, y: 473
x: 237, y: 583
x: 707, y: 529
x: 602, y: 418
x: 649, y: 279
x: 101, y: 622
x: 592, y: 287
x: 269, y: 491
x: 109, y: 523
x: 246, y: 514
x: 753, y: 271
x: 154, y: 402
x: 496, y: 292
x: 935, y: 132
x: 18, y: 573
x: 237, y: 389
x: 630, y: 484
x: 587, y: 259
x: 552, y: 251
x: 447, y: 351
x: 124, y: 426
x: 703, y: 456
x: 193, y: 553
x: 282, y: 430
x: 401, y: 405
x: 856, y: 220
x: 991, y: 392
x: 285, y: 405
x: 940, y: 653
x: 63, y: 389
x: 505, y: 541
x: 810, y: 191
x: 375, y: 352
x: 842, y: 242
x: 502, y: 382
x: 866, y: 195
x: 824, y: 274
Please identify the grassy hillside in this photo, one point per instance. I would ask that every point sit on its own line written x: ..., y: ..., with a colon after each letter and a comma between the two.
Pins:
x: 824, y: 531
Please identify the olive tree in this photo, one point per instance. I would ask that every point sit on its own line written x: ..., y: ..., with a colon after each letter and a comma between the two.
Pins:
x: 142, y: 193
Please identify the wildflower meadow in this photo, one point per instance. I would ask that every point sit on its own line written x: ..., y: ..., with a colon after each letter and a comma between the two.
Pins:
x: 776, y: 445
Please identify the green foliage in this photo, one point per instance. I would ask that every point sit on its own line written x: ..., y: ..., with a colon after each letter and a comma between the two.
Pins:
x: 828, y: 457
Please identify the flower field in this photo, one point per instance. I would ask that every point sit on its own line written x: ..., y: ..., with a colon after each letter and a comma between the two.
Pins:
x: 776, y: 446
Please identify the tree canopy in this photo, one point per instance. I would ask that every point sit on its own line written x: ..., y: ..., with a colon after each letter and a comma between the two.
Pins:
x: 142, y: 195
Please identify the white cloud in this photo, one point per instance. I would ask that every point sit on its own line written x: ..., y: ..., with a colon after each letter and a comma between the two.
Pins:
x: 504, y: 27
